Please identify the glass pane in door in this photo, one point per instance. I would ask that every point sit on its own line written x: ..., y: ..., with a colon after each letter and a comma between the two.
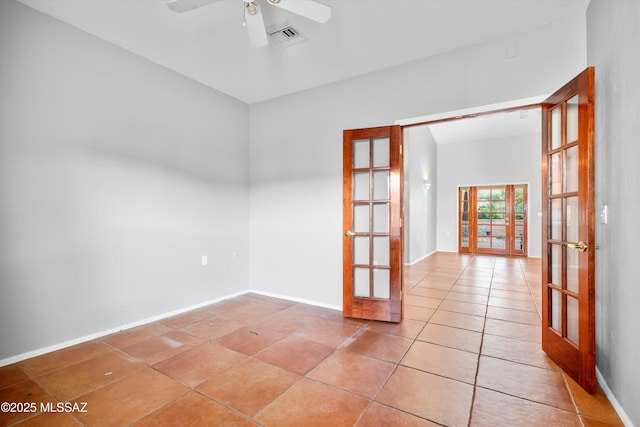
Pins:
x: 519, y: 194
x: 381, y: 251
x: 571, y: 169
x: 572, y: 270
x: 518, y: 241
x: 361, y: 282
x: 556, y: 265
x: 361, y: 218
x: 381, y: 218
x: 361, y: 186
x: 571, y: 220
x: 556, y: 175
x: 556, y: 219
x: 572, y: 320
x: 555, y: 128
x: 519, y: 219
x: 361, y: 153
x: 381, y: 283
x: 498, y: 236
x: 381, y: 185
x: 361, y: 250
x: 483, y: 218
x: 556, y: 310
x: 464, y: 217
x: 572, y: 119
x: 380, y: 152
x: 483, y: 221
x: 464, y: 240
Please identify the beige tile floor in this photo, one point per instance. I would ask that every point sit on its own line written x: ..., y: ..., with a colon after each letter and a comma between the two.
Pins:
x: 467, y: 354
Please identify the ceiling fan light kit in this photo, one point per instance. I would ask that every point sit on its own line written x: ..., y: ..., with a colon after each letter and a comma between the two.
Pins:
x: 252, y: 8
x: 253, y: 17
x: 255, y: 24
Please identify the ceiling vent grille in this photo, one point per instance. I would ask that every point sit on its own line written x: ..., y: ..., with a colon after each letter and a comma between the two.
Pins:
x: 285, y: 36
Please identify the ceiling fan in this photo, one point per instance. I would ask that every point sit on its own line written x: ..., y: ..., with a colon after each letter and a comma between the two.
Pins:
x: 253, y: 16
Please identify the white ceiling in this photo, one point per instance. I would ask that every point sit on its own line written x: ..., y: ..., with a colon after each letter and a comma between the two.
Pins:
x: 210, y: 44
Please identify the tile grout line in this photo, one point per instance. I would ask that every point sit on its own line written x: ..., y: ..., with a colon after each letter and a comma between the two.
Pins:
x: 475, y: 379
x: 573, y: 400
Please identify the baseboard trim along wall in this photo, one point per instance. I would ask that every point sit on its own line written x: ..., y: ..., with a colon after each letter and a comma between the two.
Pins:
x: 80, y: 340
x: 612, y: 398
x: 421, y: 258
x: 300, y: 300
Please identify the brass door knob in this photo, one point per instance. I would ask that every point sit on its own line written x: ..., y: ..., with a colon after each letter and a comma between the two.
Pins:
x: 581, y: 246
x: 349, y: 233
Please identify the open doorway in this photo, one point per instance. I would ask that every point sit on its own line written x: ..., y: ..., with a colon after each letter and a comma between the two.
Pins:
x: 496, y: 148
x: 566, y: 137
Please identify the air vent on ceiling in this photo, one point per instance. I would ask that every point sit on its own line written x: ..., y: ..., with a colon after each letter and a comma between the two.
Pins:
x: 285, y: 35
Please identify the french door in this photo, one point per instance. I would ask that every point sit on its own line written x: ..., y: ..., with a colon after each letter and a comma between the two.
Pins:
x: 493, y: 219
x: 372, y: 223
x: 568, y: 251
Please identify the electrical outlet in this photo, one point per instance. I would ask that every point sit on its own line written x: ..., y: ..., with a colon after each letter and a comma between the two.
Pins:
x: 204, y: 260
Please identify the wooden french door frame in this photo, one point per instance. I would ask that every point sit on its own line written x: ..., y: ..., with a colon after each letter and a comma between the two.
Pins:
x: 568, y: 247
x: 372, y: 223
x: 512, y: 212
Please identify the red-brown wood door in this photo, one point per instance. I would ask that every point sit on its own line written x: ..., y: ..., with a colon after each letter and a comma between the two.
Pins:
x: 568, y: 250
x: 372, y: 223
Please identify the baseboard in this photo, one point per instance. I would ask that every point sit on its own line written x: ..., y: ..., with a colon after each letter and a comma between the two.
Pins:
x: 41, y: 351
x: 294, y: 299
x: 612, y: 398
x: 421, y: 258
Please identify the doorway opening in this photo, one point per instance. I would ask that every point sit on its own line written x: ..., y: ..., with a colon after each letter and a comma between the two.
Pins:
x: 480, y: 148
x: 568, y: 181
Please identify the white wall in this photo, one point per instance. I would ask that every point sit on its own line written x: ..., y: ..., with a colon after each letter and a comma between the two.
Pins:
x: 613, y: 32
x: 485, y: 162
x: 116, y: 176
x: 420, y: 214
x: 296, y: 144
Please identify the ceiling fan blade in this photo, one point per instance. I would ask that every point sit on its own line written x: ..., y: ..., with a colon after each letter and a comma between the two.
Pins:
x: 255, y: 24
x: 307, y: 8
x: 181, y: 6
